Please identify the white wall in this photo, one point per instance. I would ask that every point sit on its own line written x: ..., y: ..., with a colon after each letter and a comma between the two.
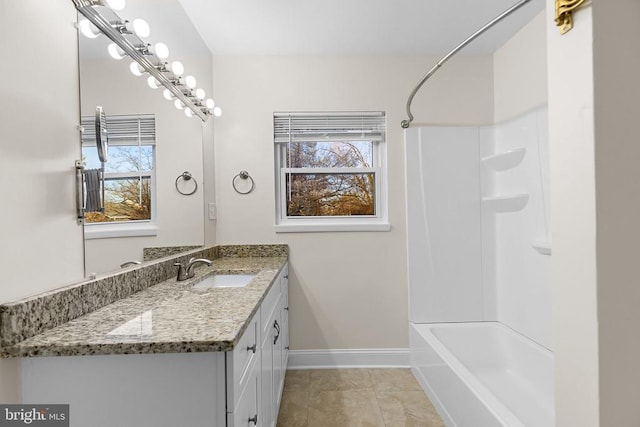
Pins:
x: 39, y: 111
x: 573, y: 221
x: 616, y: 67
x: 520, y: 71
x: 347, y: 290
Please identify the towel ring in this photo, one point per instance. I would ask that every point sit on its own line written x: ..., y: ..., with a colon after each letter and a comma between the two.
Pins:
x: 186, y: 176
x: 244, y: 175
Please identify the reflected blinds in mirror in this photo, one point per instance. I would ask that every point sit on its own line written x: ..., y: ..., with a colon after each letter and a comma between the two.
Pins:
x: 123, y: 130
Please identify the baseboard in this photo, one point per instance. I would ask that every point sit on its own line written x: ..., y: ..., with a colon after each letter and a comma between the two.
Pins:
x: 351, y: 358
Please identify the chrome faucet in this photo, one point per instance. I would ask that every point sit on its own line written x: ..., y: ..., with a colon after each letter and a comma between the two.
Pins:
x: 187, y: 272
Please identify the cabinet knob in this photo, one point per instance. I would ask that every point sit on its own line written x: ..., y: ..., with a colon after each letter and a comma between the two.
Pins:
x: 252, y: 348
x: 254, y: 420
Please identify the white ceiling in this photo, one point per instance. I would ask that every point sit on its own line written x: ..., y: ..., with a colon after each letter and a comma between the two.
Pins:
x: 169, y: 24
x: 352, y: 27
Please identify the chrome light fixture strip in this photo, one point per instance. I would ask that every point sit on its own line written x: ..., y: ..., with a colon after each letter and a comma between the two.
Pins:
x: 86, y: 8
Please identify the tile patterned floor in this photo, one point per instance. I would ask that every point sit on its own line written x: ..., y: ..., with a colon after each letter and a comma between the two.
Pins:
x: 355, y: 397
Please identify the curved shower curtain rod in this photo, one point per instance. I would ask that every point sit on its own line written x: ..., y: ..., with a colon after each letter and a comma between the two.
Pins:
x: 405, y: 123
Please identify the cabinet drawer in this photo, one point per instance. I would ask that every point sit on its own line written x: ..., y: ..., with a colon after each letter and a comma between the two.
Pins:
x: 241, y: 360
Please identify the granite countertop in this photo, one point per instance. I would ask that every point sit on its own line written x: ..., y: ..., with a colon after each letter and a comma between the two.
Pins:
x: 170, y: 317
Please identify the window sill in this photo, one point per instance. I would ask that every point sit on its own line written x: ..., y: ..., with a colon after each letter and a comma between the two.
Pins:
x: 108, y: 231
x: 331, y: 227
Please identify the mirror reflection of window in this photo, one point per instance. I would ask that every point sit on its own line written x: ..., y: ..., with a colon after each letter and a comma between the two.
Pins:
x: 129, y: 170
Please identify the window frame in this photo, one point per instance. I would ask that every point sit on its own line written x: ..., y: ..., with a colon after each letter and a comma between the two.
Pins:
x: 129, y: 228
x: 377, y: 222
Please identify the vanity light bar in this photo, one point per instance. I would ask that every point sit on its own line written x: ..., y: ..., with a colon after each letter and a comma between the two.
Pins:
x: 85, y: 7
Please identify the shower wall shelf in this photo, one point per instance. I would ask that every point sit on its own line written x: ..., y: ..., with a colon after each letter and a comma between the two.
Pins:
x: 505, y: 160
x: 542, y: 246
x: 507, y: 203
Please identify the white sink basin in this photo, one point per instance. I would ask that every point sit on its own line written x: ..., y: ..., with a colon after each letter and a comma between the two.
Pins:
x: 225, y: 281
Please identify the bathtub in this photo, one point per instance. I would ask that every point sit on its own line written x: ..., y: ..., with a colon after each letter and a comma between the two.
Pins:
x: 483, y: 374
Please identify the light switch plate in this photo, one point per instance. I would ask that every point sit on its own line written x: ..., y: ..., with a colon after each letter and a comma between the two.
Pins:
x: 212, y: 211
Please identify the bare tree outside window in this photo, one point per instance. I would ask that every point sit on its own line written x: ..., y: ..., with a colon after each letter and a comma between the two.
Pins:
x: 335, y: 193
x: 127, y: 183
x: 125, y: 200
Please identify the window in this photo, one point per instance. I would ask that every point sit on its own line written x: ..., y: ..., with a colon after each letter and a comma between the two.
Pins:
x: 330, y: 171
x: 129, y: 176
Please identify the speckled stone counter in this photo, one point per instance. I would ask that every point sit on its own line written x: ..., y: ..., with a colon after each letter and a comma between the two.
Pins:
x: 149, y: 254
x: 169, y: 316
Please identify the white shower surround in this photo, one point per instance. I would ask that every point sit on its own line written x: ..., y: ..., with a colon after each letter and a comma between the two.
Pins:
x: 477, y: 222
x: 523, y: 274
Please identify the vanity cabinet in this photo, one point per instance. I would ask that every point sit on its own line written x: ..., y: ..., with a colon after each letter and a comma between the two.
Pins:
x: 237, y: 388
x: 274, y: 349
x: 258, y: 399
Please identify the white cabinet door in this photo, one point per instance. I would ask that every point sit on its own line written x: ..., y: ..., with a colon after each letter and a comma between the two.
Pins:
x: 241, y: 361
x: 246, y: 413
x: 284, y: 339
x: 285, y: 321
x: 272, y: 365
x: 278, y: 368
x: 274, y: 350
x: 266, y: 401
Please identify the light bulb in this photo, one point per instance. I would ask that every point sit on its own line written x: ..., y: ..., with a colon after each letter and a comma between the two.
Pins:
x: 160, y: 50
x: 217, y: 111
x: 141, y: 28
x: 167, y: 94
x: 115, y: 51
x: 190, y: 81
x: 209, y: 104
x: 136, y: 69
x: 188, y: 112
x: 153, y: 83
x: 200, y: 94
x: 178, y: 104
x: 176, y: 68
x: 115, y: 4
x: 88, y: 29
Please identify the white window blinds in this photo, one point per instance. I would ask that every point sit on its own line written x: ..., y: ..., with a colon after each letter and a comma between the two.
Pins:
x: 347, y: 126
x: 123, y: 130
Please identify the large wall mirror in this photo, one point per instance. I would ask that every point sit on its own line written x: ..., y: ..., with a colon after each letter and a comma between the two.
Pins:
x: 148, y: 201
